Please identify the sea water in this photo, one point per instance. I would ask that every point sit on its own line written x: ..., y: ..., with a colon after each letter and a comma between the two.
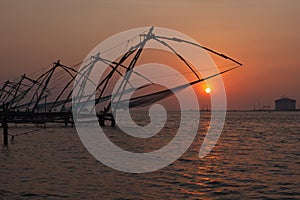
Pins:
x: 257, y: 157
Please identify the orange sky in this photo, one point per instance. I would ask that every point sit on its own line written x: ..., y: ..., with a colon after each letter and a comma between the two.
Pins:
x: 263, y: 34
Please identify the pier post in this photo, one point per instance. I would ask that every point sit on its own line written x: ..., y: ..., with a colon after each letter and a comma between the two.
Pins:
x: 4, y: 125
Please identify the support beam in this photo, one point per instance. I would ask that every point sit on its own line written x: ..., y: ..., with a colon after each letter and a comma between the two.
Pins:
x: 4, y: 125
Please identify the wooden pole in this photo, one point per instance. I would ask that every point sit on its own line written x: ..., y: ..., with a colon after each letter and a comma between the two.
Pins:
x: 44, y: 116
x: 4, y: 125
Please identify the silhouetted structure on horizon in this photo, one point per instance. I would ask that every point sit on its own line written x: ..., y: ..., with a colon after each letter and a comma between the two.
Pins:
x: 285, y: 103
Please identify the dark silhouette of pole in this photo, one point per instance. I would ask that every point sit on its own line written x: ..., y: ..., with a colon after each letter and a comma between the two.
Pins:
x: 4, y: 125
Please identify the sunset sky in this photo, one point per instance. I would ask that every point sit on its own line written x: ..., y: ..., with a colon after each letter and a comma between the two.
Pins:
x: 262, y: 34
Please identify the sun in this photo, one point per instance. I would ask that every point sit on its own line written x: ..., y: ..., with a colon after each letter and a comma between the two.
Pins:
x: 207, y: 90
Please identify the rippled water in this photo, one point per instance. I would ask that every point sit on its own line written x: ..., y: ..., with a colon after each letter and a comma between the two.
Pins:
x: 257, y: 156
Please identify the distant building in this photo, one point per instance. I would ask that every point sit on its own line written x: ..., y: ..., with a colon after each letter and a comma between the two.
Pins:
x: 285, y: 104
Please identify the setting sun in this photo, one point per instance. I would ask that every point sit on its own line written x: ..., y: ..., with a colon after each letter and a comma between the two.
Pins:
x: 207, y: 90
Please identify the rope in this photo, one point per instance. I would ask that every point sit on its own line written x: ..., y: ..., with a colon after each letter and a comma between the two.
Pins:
x: 14, y: 135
